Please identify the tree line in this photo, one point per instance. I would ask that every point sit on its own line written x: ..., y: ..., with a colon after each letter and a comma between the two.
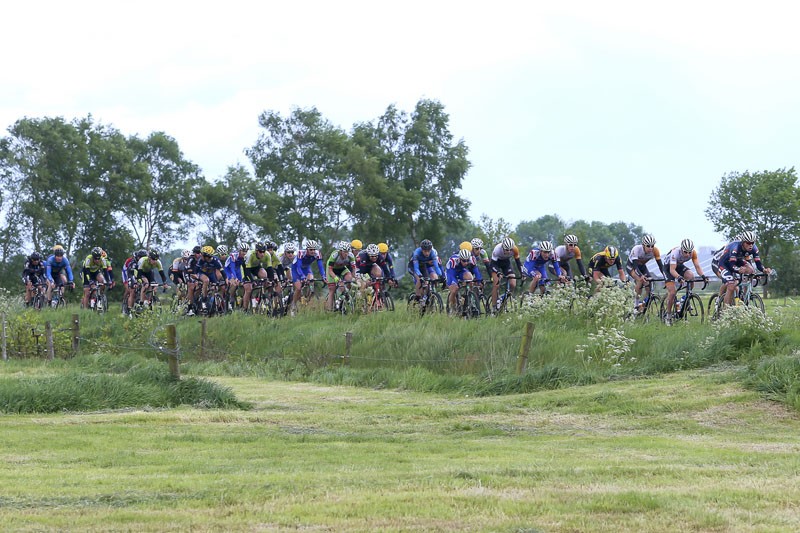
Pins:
x: 396, y: 179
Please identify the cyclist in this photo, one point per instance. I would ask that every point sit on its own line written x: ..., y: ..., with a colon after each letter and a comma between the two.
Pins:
x: 129, y: 269
x: 340, y: 264
x: 285, y: 261
x: 636, y: 266
x: 388, y: 264
x: 460, y: 267
x: 501, y: 265
x: 424, y: 259
x: 94, y: 266
x: 57, y: 265
x: 233, y: 269
x: 191, y: 277
x: 356, y: 246
x: 33, y: 275
x: 536, y: 265
x: 144, y: 271
x: 677, y: 270
x: 565, y: 252
x: 301, y: 268
x: 602, y: 261
x: 109, y: 273
x: 208, y: 270
x: 736, y: 259
x: 258, y: 265
x: 481, y: 256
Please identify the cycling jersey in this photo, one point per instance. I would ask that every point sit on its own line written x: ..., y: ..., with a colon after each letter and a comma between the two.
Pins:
x: 388, y: 265
x: 93, y: 266
x: 55, y: 267
x: 564, y: 253
x: 33, y: 272
x: 364, y: 262
x: 599, y: 262
x: 638, y: 258
x: 455, y: 269
x: 234, y: 266
x: 734, y: 256
x: 419, y: 260
x: 301, y: 267
x: 536, y: 263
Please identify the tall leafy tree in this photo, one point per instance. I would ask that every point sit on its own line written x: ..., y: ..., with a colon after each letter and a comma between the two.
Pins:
x: 303, y: 159
x: 544, y: 228
x: 766, y: 202
x: 423, y: 167
x: 163, y: 187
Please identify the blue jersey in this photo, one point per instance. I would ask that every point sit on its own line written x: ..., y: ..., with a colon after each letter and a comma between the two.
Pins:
x: 301, y: 268
x: 454, y: 271
x: 536, y: 262
x: 234, y: 266
x: 56, y: 267
x: 430, y: 263
x: 734, y: 256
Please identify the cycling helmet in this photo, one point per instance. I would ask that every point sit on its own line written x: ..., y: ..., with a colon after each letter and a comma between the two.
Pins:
x: 356, y: 244
x: 546, y: 246
x: 383, y: 247
x: 207, y: 250
x: 289, y: 247
x: 570, y: 239
x: 466, y: 245
x: 343, y: 246
x: 747, y: 236
x: 508, y: 244
x: 476, y: 243
x: 687, y: 246
x: 97, y: 252
x: 186, y: 254
x: 260, y: 247
x: 611, y: 252
x: 35, y: 256
x: 153, y: 254
x: 197, y: 250
x: 140, y: 253
x: 426, y: 244
x: 58, y: 247
x: 222, y: 250
x: 464, y: 254
x: 648, y: 240
x: 243, y: 247
x: 312, y: 245
x: 372, y: 250
x: 271, y: 245
x: 58, y: 252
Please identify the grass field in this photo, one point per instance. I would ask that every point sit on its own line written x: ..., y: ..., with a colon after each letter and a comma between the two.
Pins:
x: 672, y: 429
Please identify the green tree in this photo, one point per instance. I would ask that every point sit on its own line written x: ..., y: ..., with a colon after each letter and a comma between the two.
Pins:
x: 492, y: 231
x: 162, y: 187
x: 767, y: 203
x: 544, y: 228
x: 303, y: 160
x: 423, y: 169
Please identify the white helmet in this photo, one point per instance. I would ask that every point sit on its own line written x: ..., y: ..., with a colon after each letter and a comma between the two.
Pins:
x: 747, y: 236
x: 508, y: 243
x: 372, y: 249
x: 289, y: 247
x: 464, y: 255
x: 186, y: 254
x: 343, y: 246
x: 648, y: 240
x: 222, y: 250
x: 476, y: 243
x: 570, y: 239
x: 243, y: 247
x: 546, y: 246
x: 687, y: 246
x: 312, y: 245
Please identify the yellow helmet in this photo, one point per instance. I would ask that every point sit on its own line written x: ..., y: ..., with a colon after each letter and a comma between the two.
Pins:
x: 356, y: 244
x: 383, y: 247
x: 207, y: 250
x: 57, y: 247
x: 466, y: 245
x: 611, y: 252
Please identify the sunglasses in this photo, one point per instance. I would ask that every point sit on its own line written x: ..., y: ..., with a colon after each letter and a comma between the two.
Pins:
x: 206, y: 255
x: 748, y: 242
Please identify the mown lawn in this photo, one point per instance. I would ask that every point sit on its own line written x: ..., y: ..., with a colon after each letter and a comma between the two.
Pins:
x: 691, y: 451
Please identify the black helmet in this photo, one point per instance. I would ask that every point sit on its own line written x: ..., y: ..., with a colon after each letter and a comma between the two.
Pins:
x: 153, y: 254
x: 141, y: 253
x: 426, y: 244
x: 197, y: 249
x: 97, y: 252
x: 35, y: 256
x: 261, y: 247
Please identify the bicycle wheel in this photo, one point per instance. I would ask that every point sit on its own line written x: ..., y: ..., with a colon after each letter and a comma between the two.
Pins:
x: 412, y: 304
x: 276, y: 304
x: 693, y: 310
x: 757, y: 302
x: 653, y: 309
x: 473, y: 306
x: 388, y: 301
x: 434, y: 303
x: 61, y: 303
x: 102, y: 303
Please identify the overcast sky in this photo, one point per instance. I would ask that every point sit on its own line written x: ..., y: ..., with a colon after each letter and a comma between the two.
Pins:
x: 606, y: 111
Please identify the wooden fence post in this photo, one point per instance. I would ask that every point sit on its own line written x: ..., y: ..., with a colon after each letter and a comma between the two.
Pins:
x: 76, y: 334
x: 173, y: 356
x: 348, y: 342
x: 525, y: 348
x: 3, y: 337
x: 48, y: 332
